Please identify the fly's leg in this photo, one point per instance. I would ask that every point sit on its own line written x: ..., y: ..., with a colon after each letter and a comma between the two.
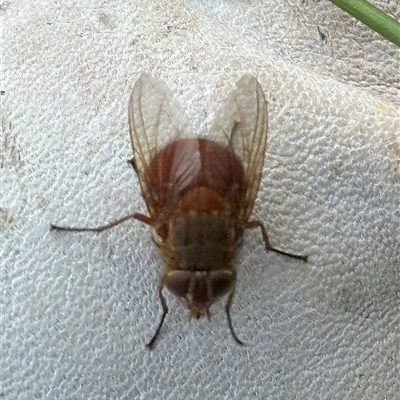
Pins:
x: 228, y: 315
x: 140, y: 217
x: 150, y: 345
x: 258, y: 224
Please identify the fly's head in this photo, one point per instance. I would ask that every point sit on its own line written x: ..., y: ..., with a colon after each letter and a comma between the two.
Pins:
x: 200, y: 289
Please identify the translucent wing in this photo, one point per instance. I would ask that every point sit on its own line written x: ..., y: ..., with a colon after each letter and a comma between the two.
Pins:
x: 246, y: 118
x: 153, y: 123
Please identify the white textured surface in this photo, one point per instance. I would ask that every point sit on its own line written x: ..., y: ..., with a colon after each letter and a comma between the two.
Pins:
x: 77, y: 309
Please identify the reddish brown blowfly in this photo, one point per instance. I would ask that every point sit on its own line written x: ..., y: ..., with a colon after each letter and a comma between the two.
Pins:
x: 199, y: 192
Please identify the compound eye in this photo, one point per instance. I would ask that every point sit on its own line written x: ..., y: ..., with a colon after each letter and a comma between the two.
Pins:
x: 178, y: 282
x: 222, y: 282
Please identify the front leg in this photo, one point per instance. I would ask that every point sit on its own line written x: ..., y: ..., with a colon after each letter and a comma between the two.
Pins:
x: 150, y: 345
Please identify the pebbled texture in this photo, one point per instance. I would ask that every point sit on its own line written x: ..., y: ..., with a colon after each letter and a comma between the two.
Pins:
x: 77, y: 309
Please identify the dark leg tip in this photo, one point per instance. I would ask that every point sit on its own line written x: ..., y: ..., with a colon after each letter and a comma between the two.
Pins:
x: 295, y: 256
x: 150, y: 345
x: 132, y: 163
x: 239, y: 342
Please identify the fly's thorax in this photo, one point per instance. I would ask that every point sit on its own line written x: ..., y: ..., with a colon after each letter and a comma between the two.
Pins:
x: 199, y: 289
x: 201, y: 241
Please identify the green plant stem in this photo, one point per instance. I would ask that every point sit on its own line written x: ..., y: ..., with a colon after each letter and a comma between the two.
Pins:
x: 373, y: 17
